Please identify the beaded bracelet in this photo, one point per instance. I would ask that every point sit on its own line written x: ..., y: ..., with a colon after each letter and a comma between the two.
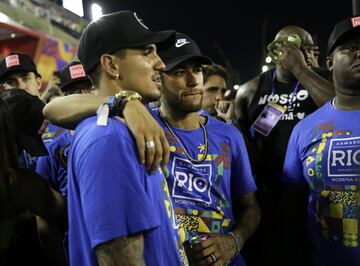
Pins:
x: 238, y: 243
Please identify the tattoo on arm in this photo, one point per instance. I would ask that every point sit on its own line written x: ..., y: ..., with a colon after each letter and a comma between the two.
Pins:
x: 122, y: 251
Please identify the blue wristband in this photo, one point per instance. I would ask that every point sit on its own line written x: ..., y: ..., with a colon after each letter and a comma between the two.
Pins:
x: 111, y: 102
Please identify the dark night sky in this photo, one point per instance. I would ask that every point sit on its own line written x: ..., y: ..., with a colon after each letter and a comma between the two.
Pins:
x: 241, y: 32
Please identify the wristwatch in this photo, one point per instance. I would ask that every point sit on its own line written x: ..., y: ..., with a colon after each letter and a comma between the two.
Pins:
x: 117, y: 103
x: 128, y: 95
x: 124, y: 97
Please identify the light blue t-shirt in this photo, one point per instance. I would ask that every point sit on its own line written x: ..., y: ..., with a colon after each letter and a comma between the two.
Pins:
x: 324, y: 153
x: 201, y: 193
x: 111, y: 195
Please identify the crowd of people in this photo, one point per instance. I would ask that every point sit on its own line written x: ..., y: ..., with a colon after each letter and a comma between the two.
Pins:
x: 135, y: 155
x: 63, y: 18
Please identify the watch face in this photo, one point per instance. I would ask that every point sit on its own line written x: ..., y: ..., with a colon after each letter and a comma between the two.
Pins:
x: 127, y: 94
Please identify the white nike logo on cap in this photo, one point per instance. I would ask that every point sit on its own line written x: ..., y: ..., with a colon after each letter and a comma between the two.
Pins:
x: 181, y: 42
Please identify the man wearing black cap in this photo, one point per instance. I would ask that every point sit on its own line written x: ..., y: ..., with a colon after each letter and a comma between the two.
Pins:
x: 323, y: 156
x: 19, y: 71
x: 70, y: 80
x: 210, y: 179
x: 118, y: 213
x: 73, y: 79
x: 213, y: 173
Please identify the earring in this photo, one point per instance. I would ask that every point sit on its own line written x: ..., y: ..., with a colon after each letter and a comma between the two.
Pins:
x: 116, y: 76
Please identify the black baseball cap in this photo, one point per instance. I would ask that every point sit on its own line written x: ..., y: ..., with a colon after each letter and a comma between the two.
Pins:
x: 123, y: 29
x: 29, y: 120
x: 182, y: 50
x: 16, y: 62
x: 342, y: 31
x: 71, y: 74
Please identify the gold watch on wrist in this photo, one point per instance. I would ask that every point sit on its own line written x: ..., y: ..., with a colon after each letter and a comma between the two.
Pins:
x: 124, y: 97
x: 128, y: 95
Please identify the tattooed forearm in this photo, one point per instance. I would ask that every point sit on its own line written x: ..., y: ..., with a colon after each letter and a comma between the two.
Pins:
x: 122, y: 251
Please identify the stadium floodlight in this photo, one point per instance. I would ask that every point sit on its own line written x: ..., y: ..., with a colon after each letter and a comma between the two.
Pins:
x: 75, y: 6
x: 265, y: 68
x: 268, y: 59
x: 96, y: 12
x: 4, y: 18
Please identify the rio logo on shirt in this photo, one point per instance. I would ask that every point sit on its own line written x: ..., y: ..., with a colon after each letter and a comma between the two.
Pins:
x: 343, y: 162
x: 192, y: 182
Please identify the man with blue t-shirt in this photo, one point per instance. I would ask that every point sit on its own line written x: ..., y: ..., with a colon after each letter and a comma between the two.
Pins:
x: 118, y: 213
x: 210, y: 179
x: 323, y: 155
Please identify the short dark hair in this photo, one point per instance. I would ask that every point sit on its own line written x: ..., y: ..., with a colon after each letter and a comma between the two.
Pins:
x: 215, y: 69
x: 94, y: 74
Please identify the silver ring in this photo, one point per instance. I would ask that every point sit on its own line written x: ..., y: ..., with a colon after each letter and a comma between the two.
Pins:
x: 150, y: 144
x: 212, y: 255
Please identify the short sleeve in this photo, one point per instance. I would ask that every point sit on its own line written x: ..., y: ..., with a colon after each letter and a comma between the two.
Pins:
x: 293, y: 171
x: 242, y: 180
x: 112, y: 184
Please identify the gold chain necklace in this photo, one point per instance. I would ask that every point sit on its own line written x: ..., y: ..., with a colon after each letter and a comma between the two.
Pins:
x: 194, y: 161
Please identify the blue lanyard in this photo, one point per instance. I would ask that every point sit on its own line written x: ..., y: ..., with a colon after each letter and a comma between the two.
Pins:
x: 293, y: 92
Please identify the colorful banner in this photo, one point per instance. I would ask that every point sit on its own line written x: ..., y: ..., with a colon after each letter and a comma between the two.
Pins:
x: 54, y: 56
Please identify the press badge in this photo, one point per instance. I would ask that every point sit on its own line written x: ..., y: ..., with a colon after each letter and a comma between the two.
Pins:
x: 268, y: 118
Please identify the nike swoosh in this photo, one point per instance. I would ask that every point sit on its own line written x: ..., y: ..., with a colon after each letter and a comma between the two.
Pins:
x: 179, y: 44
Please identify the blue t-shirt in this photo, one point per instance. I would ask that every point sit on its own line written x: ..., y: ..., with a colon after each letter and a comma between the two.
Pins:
x: 53, y: 167
x: 52, y: 131
x: 324, y: 152
x: 201, y: 193
x: 111, y: 196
